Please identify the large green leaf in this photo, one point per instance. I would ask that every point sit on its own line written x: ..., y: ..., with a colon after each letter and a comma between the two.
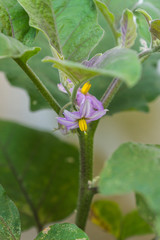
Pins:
x: 115, y: 63
x: 14, y: 22
x: 124, y: 173
x: 64, y: 231
x: 107, y: 215
x: 38, y: 171
x: 70, y: 25
x: 10, y: 226
x: 10, y: 47
x: 138, y: 97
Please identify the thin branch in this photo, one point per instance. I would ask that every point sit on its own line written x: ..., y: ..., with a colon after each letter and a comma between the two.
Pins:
x: 41, y: 87
x: 110, y: 92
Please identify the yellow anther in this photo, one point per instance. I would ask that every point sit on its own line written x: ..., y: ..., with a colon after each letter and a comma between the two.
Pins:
x: 82, y: 125
x: 85, y: 88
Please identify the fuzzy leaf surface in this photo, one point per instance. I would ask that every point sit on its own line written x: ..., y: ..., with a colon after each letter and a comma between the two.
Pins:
x: 123, y: 174
x: 14, y: 22
x: 47, y: 74
x: 115, y: 63
x: 70, y: 25
x: 64, y: 231
x: 38, y: 170
x: 128, y: 29
x: 12, y: 48
x: 10, y: 225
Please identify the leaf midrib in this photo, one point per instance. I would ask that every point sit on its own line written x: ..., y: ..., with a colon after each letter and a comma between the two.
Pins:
x: 6, y: 225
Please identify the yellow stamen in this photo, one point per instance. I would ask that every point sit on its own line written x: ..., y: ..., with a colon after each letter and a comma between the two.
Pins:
x: 82, y: 125
x: 85, y: 88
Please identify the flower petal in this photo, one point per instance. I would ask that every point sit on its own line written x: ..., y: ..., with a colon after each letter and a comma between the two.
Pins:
x: 86, y: 109
x: 74, y: 126
x: 97, y: 105
x: 80, y: 98
x: 96, y: 115
x: 71, y: 116
x: 65, y: 122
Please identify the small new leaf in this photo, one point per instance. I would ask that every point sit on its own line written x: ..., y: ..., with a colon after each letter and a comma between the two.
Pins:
x: 63, y: 231
x: 145, y: 14
x: 134, y: 225
x: 128, y: 29
x: 107, y: 215
x: 108, y: 16
x: 10, y: 226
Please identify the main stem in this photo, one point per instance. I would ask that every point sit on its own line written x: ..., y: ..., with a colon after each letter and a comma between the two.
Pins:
x: 86, y: 174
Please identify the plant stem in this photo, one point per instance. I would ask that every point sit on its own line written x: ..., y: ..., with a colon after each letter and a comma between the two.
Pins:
x: 148, y: 52
x: 110, y: 92
x: 41, y: 87
x: 85, y: 194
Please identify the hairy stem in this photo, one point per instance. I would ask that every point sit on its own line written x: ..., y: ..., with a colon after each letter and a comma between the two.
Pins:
x: 41, y: 87
x: 110, y: 92
x: 85, y: 194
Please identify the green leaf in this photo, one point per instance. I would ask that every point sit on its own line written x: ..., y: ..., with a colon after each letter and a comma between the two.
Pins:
x: 38, y: 171
x: 10, y: 226
x: 108, y: 16
x: 155, y: 28
x: 47, y: 74
x: 70, y: 25
x: 107, y: 215
x: 144, y: 35
x: 145, y: 14
x: 124, y: 173
x: 152, y: 7
x: 10, y: 47
x: 64, y: 231
x: 134, y: 225
x: 115, y: 63
x: 128, y: 29
x: 14, y: 22
x: 145, y: 91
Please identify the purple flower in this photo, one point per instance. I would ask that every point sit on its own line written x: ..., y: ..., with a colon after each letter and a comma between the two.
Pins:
x: 82, y: 95
x: 79, y: 119
x: 81, y: 98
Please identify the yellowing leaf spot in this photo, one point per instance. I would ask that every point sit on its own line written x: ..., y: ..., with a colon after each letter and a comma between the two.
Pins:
x: 81, y: 239
x: 46, y: 230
